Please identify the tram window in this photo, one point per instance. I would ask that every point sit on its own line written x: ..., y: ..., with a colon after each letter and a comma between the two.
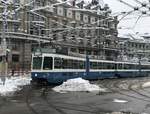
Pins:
x: 119, y: 66
x: 100, y: 65
x: 148, y: 67
x: 104, y: 65
x: 126, y: 66
x: 64, y: 64
x: 81, y: 65
x: 130, y: 66
x: 58, y: 63
x: 134, y: 66
x: 48, y: 63
x: 69, y: 64
x: 37, y: 62
x: 93, y: 65
x: 144, y: 67
x: 108, y: 65
x: 112, y: 66
x: 75, y: 64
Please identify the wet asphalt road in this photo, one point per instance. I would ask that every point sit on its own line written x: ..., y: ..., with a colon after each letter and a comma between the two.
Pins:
x: 42, y: 100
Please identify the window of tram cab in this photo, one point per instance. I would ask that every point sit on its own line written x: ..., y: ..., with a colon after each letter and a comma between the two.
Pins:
x: 37, y: 62
x: 48, y: 63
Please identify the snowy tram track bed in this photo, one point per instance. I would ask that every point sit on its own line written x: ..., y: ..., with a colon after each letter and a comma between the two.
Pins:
x: 8, y: 85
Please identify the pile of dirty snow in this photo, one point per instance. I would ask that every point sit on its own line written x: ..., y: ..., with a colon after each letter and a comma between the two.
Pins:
x: 119, y: 113
x: 13, y: 84
x: 78, y: 84
x: 146, y: 84
x: 119, y: 101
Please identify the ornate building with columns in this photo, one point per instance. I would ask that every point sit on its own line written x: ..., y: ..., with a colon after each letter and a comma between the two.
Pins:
x: 71, y: 27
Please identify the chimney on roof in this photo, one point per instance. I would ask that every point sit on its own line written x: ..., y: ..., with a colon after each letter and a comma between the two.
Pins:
x: 95, y: 2
x: 73, y: 2
x: 80, y: 4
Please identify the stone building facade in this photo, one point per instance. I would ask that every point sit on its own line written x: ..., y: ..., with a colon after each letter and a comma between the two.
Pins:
x: 72, y: 28
x: 135, y: 48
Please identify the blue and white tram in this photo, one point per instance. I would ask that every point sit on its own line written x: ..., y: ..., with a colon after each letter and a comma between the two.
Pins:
x: 55, y: 68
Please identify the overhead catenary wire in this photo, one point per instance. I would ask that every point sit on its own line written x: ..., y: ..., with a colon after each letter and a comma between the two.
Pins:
x: 135, y: 17
x: 137, y: 21
x: 135, y: 8
x: 126, y: 15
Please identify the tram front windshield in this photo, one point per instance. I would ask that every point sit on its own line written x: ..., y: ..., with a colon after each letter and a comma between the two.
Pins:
x: 37, y: 63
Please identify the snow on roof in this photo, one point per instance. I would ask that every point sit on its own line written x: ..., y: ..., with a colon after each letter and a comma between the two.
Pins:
x: 86, y: 3
x: 68, y: 2
x: 59, y: 0
x: 146, y: 35
x: 79, y: 1
x: 134, y: 38
x: 101, y: 3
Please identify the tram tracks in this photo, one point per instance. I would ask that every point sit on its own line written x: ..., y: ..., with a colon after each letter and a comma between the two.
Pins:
x: 133, y: 90
x: 27, y: 100
x: 55, y: 107
x: 69, y: 106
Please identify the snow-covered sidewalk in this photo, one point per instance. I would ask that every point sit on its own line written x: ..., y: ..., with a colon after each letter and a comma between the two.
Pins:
x: 13, y: 84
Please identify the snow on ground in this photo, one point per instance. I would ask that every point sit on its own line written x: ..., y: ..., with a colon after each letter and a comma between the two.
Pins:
x: 78, y: 84
x: 119, y: 101
x: 118, y: 113
x: 13, y: 84
x: 147, y: 84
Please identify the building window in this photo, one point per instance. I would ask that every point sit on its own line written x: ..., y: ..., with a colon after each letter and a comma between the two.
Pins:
x: 60, y: 11
x: 73, y: 49
x: 81, y: 17
x: 15, y: 58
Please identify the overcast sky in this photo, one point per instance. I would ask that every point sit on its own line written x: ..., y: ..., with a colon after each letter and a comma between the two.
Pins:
x: 128, y: 25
